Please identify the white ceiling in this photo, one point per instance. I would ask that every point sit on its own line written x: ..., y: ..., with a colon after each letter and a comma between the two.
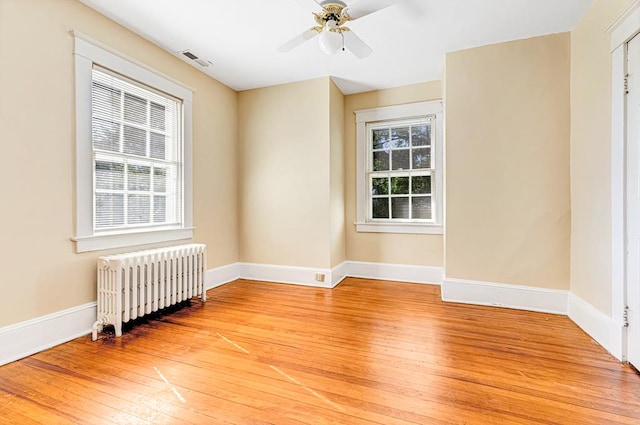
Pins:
x: 409, y: 39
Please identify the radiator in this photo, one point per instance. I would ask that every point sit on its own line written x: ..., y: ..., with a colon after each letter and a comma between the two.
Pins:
x: 134, y: 284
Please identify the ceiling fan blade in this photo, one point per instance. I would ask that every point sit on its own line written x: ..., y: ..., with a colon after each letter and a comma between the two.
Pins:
x: 354, y: 43
x: 365, y: 7
x: 297, y: 40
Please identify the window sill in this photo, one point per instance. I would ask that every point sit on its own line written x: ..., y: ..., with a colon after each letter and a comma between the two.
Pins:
x: 408, y: 228
x: 120, y: 240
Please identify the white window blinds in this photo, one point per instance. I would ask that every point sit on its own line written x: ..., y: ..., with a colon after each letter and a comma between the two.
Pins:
x: 137, y: 155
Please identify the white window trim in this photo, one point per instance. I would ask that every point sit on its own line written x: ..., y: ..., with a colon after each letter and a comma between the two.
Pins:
x: 87, y: 52
x: 388, y: 113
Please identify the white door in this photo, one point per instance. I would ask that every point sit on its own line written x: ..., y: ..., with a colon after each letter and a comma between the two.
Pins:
x: 633, y: 202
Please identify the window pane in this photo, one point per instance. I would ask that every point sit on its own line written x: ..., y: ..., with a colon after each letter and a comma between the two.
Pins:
x: 157, y: 116
x: 380, y: 207
x: 109, y: 175
x: 399, y: 207
x: 380, y: 161
x: 109, y: 210
x: 157, y: 146
x: 400, y: 137
x: 421, y: 184
x: 421, y: 207
x: 380, y: 139
x: 159, y: 180
x: 135, y: 109
x: 135, y: 141
x: 105, y: 100
x: 380, y: 186
x: 421, y: 158
x: 106, y: 135
x: 139, y: 209
x: 400, y: 159
x: 159, y: 209
x: 421, y: 135
x: 399, y: 185
x: 139, y: 177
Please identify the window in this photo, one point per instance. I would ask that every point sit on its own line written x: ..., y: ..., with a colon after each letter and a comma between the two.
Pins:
x: 400, y: 168
x: 137, y: 157
x: 133, y: 141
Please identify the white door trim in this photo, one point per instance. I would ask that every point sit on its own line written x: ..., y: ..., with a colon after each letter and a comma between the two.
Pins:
x: 626, y: 26
x: 623, y: 30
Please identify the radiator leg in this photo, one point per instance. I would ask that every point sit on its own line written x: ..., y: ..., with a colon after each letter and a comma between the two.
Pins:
x: 94, y: 329
x: 118, y: 329
x: 97, y: 327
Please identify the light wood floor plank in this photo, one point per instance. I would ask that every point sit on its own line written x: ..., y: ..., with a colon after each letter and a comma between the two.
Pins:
x: 367, y: 352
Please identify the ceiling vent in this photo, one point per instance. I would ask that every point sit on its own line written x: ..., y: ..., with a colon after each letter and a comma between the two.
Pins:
x: 203, y: 63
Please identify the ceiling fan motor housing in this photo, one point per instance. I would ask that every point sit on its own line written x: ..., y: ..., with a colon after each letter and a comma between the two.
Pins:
x: 332, y: 10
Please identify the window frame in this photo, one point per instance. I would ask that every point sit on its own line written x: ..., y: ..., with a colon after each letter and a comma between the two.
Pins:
x: 88, y: 52
x: 390, y: 114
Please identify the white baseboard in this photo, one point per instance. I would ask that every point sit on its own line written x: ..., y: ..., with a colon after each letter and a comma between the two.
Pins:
x: 286, y: 274
x: 504, y: 295
x: 218, y: 276
x: 306, y: 275
x: 602, y: 328
x: 397, y: 272
x: 26, y: 338
x: 338, y: 273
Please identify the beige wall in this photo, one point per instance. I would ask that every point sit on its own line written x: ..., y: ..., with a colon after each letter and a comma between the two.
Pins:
x: 41, y: 273
x: 336, y: 177
x: 421, y: 250
x: 507, y: 163
x: 284, y: 207
x: 285, y: 192
x: 591, y: 153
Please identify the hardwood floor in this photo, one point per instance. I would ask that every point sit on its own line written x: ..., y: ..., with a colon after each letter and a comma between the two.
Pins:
x: 366, y: 352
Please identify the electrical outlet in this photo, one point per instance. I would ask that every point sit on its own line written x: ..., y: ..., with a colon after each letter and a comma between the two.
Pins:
x: 320, y: 277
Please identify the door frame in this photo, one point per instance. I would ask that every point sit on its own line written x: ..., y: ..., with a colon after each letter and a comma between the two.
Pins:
x: 622, y: 31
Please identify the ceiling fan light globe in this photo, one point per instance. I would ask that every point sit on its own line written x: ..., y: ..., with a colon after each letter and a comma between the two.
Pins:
x: 330, y: 42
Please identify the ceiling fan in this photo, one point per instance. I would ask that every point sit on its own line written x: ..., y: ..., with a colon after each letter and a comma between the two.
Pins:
x: 330, y: 16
